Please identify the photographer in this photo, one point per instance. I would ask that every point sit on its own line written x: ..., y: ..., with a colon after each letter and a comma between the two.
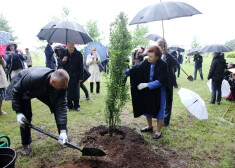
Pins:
x: 15, y: 60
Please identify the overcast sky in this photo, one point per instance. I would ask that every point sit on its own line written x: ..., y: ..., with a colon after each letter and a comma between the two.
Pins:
x: 215, y: 25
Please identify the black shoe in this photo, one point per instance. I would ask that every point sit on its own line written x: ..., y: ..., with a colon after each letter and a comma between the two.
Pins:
x: 146, y: 129
x: 218, y: 103
x: 165, y: 124
x: 77, y: 108
x: 210, y: 103
x: 88, y: 98
x: 156, y: 136
x: 25, y: 150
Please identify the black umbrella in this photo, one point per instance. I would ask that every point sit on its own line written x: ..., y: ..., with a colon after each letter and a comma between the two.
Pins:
x: 46, y: 30
x: 153, y: 37
x: 193, y: 51
x: 176, y: 48
x: 164, y: 11
x: 66, y: 31
x: 215, y: 48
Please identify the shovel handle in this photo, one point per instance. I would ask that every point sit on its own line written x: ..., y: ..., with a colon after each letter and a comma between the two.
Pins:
x: 183, y: 71
x: 51, y: 135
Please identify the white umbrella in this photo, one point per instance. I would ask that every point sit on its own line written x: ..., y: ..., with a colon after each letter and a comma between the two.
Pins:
x: 225, y: 88
x: 193, y: 103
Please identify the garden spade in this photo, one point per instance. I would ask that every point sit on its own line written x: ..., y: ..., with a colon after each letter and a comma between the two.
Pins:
x: 189, y: 77
x: 85, y: 151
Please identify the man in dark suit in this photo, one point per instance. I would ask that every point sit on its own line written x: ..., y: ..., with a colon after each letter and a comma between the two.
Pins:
x: 73, y: 64
x: 180, y: 61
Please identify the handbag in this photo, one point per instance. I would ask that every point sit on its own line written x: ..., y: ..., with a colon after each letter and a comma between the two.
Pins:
x: 86, y: 74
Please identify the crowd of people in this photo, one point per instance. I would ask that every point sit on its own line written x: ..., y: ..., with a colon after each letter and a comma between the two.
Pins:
x: 58, y: 83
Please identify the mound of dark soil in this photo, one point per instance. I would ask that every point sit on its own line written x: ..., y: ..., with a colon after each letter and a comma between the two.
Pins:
x: 125, y: 149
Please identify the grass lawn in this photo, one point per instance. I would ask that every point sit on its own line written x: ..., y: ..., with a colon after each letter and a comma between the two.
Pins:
x: 198, y: 143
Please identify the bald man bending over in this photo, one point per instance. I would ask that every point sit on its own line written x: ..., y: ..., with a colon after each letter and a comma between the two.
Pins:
x: 48, y: 86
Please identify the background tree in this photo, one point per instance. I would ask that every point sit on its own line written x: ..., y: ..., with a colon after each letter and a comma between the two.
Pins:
x: 120, y: 45
x: 138, y: 36
x: 231, y: 44
x: 195, y: 43
x: 93, y: 30
x: 4, y: 25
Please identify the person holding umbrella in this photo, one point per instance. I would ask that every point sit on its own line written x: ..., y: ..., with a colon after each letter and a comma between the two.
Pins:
x: 171, y: 63
x: 73, y: 64
x: 216, y: 73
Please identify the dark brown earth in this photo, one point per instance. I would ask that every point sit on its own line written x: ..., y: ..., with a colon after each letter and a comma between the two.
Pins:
x: 125, y: 149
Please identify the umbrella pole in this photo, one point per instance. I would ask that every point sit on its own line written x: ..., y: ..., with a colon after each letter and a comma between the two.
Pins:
x: 163, y: 30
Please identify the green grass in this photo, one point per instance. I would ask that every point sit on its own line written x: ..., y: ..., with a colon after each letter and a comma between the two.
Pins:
x: 200, y: 143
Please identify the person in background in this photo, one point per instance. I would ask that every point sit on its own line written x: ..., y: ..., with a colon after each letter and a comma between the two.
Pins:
x: 48, y: 86
x: 140, y: 55
x: 60, y: 53
x: 187, y: 60
x: 171, y: 63
x: 28, y: 58
x: 216, y: 73
x: 149, y: 89
x: 73, y: 64
x: 227, y: 73
x: 50, y: 59
x: 198, y: 59
x: 93, y: 61
x: 232, y: 84
x: 15, y: 60
x: 3, y: 83
x: 180, y: 61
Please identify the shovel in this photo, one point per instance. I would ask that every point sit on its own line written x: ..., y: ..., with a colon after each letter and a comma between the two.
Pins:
x: 85, y: 151
x: 189, y: 77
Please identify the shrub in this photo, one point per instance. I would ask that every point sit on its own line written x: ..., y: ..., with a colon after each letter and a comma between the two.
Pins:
x: 231, y: 54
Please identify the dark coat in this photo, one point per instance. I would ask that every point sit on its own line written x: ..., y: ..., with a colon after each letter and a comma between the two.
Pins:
x: 74, y: 67
x: 198, y: 61
x: 59, y: 57
x: 50, y: 59
x: 171, y: 64
x: 15, y: 61
x: 217, y: 68
x: 180, y: 59
x: 147, y: 101
x: 34, y: 83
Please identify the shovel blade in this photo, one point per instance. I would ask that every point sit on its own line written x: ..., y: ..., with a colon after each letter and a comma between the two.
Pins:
x: 92, y: 152
x: 190, y: 78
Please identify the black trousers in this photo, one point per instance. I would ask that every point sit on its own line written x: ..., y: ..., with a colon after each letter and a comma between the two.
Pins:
x: 168, y: 109
x: 97, y: 87
x: 216, y: 89
x: 84, y: 89
x: 26, y: 131
x: 73, y: 104
x: 178, y: 70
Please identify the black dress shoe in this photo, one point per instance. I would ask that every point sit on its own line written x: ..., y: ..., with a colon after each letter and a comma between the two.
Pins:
x: 218, y: 103
x: 146, y: 129
x: 156, y: 136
